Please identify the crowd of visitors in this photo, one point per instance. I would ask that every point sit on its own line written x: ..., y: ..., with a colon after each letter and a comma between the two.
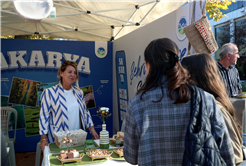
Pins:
x: 182, y: 114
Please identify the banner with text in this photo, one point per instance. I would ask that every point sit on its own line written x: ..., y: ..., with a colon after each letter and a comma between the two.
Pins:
x: 30, y: 66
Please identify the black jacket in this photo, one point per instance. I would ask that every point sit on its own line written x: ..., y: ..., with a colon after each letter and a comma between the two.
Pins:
x: 200, y: 146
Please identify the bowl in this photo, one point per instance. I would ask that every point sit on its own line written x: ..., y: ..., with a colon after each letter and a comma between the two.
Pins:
x: 89, y: 142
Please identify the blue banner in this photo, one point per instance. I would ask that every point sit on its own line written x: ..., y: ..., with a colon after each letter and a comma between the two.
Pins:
x: 30, y: 66
x: 121, y: 85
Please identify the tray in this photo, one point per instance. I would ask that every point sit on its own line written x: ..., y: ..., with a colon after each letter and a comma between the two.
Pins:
x: 86, y: 160
x: 118, y: 151
x: 241, y: 96
x: 55, y: 149
x: 115, y: 156
x: 71, y: 160
x: 99, y: 157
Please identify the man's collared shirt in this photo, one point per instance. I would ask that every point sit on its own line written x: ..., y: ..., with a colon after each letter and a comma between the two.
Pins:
x: 231, y: 79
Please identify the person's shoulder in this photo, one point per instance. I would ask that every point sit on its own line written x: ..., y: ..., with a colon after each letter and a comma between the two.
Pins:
x: 209, y: 97
x: 147, y: 96
x: 222, y: 108
x: 136, y: 98
x: 219, y: 105
x: 77, y: 90
x: 233, y: 68
x: 52, y: 87
x: 220, y: 67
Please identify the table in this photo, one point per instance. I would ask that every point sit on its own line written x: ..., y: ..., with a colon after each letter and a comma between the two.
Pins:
x: 109, y: 162
x: 240, y: 106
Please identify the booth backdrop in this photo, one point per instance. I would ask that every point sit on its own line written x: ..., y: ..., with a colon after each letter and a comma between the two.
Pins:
x: 28, y: 64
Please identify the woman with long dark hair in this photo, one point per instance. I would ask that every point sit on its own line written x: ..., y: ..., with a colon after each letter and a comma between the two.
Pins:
x: 158, y: 116
x: 205, y: 75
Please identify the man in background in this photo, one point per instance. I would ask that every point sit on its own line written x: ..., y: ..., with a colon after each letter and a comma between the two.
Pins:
x: 229, y: 74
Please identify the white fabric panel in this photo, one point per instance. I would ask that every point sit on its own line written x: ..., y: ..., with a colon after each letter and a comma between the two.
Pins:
x: 96, y: 26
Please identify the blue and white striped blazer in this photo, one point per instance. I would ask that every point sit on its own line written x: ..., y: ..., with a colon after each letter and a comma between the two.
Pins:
x: 53, y: 115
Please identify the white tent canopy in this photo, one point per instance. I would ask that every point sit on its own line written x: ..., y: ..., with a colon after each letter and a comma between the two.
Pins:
x: 88, y: 20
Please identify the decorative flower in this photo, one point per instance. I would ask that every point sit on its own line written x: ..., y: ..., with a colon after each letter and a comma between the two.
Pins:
x: 104, y: 111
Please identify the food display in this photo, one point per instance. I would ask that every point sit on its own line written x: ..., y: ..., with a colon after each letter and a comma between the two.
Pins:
x: 119, y: 151
x: 69, y: 156
x: 78, y: 137
x: 63, y: 154
x: 72, y: 153
x: 118, y: 139
x: 98, y: 154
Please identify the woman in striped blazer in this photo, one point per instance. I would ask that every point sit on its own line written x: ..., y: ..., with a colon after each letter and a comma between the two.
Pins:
x: 63, y: 106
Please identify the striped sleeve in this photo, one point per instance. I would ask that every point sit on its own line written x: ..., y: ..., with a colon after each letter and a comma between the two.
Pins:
x: 44, y: 114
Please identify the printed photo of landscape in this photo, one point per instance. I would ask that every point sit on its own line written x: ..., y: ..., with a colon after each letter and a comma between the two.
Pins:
x: 32, y: 121
x: 89, y: 96
x: 23, y: 92
x: 41, y: 88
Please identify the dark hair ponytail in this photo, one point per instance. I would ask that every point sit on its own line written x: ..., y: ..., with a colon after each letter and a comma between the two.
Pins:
x: 162, y: 55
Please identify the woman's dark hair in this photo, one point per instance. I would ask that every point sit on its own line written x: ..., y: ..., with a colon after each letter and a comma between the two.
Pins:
x: 204, y: 74
x: 162, y: 56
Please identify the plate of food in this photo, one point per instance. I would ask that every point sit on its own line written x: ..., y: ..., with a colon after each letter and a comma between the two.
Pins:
x: 86, y: 160
x: 71, y: 156
x: 98, y: 154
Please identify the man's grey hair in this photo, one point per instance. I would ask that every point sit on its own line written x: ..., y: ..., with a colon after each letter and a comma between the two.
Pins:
x: 226, y: 48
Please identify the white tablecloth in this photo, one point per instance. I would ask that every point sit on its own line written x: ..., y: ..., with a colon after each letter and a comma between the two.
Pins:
x: 109, y: 162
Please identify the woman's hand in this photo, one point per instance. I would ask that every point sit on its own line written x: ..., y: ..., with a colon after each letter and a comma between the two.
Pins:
x: 44, y: 142
x: 93, y: 133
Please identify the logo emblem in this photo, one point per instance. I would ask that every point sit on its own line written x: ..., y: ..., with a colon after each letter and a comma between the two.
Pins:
x: 101, y: 51
x: 181, y: 24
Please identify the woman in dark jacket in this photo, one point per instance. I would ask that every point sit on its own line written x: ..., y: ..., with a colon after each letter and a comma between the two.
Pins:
x: 205, y: 75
